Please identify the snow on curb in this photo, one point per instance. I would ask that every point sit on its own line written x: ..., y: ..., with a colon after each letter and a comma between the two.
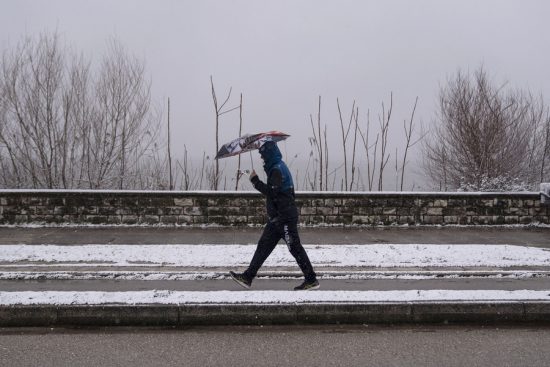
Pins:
x: 207, y: 275
x: 208, y: 256
x: 266, y: 297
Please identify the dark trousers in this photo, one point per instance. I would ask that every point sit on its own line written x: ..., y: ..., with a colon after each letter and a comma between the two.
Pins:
x: 273, y: 232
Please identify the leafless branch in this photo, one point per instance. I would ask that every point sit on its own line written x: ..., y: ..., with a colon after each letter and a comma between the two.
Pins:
x: 484, y: 134
x: 408, y: 134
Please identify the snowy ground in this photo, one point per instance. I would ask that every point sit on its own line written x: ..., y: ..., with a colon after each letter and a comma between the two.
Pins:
x: 174, y: 259
x: 211, y: 256
x: 267, y: 297
x: 343, y: 274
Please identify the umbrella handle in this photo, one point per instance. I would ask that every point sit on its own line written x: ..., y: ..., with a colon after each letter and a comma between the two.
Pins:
x: 251, y: 161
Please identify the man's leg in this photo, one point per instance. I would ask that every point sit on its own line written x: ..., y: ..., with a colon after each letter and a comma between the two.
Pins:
x: 295, y: 247
x: 270, y: 237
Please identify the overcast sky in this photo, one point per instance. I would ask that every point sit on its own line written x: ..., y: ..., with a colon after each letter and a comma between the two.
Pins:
x: 283, y: 54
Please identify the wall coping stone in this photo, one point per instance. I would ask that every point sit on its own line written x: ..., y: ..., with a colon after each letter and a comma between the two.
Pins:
x: 305, y: 194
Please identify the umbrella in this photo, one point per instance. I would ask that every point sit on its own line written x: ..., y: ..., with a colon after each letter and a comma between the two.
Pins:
x: 248, y: 143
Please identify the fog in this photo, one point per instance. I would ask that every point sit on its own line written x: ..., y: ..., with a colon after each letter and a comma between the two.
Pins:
x: 283, y: 55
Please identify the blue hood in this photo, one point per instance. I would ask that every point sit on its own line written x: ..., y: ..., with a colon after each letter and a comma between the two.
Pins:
x: 271, y: 155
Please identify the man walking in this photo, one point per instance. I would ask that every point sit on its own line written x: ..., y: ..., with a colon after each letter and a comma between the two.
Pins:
x: 283, y: 219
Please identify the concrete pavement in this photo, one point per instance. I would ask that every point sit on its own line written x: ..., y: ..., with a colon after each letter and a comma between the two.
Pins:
x: 532, y: 236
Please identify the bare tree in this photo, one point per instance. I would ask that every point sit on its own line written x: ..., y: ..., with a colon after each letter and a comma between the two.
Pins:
x: 203, y: 169
x: 63, y: 126
x: 545, y: 151
x: 538, y: 116
x: 219, y: 110
x: 483, y: 134
x: 36, y: 112
x: 152, y: 174
x: 326, y: 157
x: 384, y: 121
x: 124, y: 126
x: 377, y: 155
x: 191, y: 178
x: 408, y: 135
x: 396, y: 171
x: 186, y: 185
x: 345, y: 133
x: 353, y: 168
x: 317, y: 143
x: 239, y: 173
x: 308, y: 182
x: 368, y: 147
x: 169, y: 150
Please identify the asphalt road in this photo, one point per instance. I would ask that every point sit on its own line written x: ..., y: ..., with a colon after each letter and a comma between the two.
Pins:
x: 363, y: 345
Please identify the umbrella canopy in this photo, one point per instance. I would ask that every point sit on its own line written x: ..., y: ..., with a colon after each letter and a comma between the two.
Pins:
x: 249, y: 142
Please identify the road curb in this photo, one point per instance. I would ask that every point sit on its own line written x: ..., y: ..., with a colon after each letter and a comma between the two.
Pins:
x: 265, y: 314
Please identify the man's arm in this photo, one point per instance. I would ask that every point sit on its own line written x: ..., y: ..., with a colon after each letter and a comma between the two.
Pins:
x: 272, y: 188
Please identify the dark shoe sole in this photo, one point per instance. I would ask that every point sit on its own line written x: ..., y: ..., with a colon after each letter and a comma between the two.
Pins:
x: 239, y: 282
x: 309, y: 289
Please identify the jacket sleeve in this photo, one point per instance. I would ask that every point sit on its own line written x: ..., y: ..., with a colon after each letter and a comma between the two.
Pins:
x: 273, y: 186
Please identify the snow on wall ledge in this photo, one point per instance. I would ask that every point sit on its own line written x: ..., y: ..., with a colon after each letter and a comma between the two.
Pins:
x: 232, y: 208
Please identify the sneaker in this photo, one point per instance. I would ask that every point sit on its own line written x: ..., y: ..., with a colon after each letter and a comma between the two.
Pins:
x: 241, y: 279
x: 308, y: 286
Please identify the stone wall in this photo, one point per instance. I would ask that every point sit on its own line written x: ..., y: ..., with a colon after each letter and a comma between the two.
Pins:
x: 247, y: 208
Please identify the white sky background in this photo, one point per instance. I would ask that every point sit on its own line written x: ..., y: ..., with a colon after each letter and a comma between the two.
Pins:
x: 283, y: 54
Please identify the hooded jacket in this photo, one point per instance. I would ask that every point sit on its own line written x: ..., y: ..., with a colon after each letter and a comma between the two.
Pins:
x: 279, y: 189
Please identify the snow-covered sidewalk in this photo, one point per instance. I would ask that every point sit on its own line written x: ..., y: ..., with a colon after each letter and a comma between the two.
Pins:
x: 207, y: 260
x: 267, y: 297
x: 332, y: 256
